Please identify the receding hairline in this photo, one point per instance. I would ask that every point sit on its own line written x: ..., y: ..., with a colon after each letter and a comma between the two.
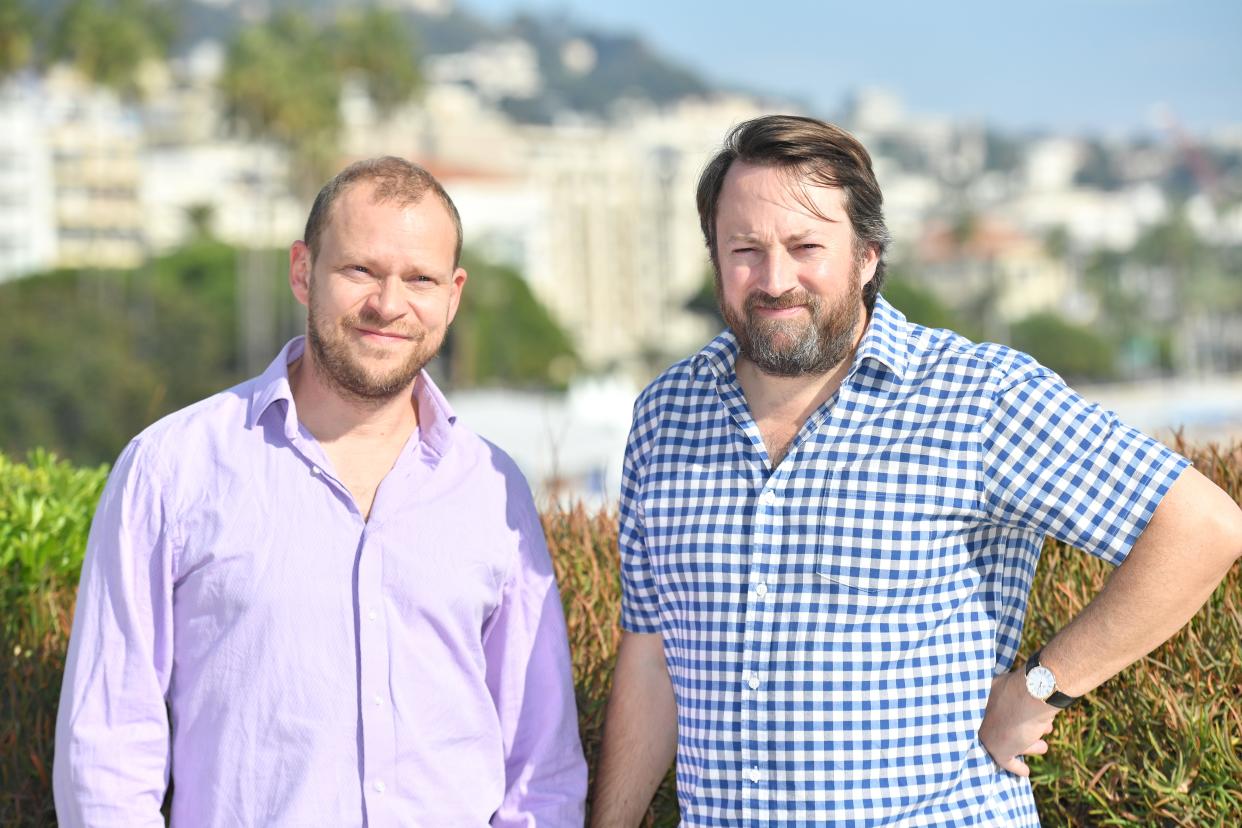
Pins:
x: 393, y: 180
x: 382, y: 195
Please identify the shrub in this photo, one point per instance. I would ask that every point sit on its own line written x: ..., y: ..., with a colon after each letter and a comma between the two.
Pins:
x: 45, y: 513
x: 1157, y: 745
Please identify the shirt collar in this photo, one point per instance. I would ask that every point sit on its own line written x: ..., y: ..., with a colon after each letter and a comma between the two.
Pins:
x: 884, y: 342
x: 435, y: 415
x: 273, y: 385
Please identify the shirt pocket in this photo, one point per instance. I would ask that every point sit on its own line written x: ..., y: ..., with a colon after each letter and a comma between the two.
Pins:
x: 892, y: 529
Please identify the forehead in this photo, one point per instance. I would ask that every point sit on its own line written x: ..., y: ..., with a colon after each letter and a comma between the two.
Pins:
x: 357, y: 217
x: 764, y: 193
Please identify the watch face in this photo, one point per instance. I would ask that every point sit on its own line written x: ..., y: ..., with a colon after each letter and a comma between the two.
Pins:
x: 1040, y: 682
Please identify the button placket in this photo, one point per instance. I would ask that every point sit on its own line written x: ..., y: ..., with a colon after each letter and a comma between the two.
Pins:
x: 378, y: 735
x: 765, y: 548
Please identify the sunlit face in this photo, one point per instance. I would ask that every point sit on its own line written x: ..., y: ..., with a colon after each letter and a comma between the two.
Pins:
x: 789, y: 281
x: 380, y: 294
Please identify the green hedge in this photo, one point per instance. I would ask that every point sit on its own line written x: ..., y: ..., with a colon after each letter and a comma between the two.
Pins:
x: 1158, y: 745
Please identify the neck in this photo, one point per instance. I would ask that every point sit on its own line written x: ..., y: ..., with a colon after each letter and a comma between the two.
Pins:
x: 330, y: 414
x: 787, y: 396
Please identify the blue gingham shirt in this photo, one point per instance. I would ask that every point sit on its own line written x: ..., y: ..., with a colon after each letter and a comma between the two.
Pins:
x: 832, y: 627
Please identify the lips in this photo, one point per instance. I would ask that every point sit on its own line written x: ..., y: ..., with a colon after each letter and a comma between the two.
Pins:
x: 392, y: 336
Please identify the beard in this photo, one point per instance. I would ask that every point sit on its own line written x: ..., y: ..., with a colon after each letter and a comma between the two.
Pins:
x: 795, y: 347
x: 337, y: 362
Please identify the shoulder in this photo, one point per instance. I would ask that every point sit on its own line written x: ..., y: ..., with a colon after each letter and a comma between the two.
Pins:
x: 489, y: 472
x: 679, y: 382
x: 682, y: 388
x: 178, y: 437
x: 953, y: 362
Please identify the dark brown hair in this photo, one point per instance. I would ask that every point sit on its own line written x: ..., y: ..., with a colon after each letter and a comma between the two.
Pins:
x: 395, y: 180
x: 818, y: 154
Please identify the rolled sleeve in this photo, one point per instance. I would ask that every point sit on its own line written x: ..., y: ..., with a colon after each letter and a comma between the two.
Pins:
x: 112, y: 734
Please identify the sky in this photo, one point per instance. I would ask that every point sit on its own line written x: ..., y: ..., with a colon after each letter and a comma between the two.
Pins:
x: 1097, y: 66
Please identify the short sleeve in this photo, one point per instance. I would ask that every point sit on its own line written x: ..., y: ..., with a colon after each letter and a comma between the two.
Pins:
x: 1059, y: 465
x: 639, y: 596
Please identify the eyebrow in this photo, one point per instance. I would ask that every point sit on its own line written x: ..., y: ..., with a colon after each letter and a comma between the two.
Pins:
x: 751, y: 237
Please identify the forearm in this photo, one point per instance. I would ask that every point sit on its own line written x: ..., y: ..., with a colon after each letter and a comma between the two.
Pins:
x: 1187, y: 549
x: 640, y: 734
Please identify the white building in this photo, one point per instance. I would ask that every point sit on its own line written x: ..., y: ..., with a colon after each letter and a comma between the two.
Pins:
x: 1093, y: 218
x: 27, y: 215
x: 96, y: 143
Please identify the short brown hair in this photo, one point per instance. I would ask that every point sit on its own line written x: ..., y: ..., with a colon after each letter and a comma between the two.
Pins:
x: 821, y: 154
x: 395, y: 180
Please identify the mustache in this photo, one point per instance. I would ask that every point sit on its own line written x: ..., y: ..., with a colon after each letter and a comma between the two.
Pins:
x: 376, y: 322
x: 789, y: 299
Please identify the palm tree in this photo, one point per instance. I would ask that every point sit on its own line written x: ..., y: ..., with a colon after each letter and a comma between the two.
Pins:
x: 379, y: 47
x: 17, y: 37
x: 109, y: 40
x: 282, y: 81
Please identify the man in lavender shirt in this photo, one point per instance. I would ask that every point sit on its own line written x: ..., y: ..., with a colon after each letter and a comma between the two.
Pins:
x: 317, y: 598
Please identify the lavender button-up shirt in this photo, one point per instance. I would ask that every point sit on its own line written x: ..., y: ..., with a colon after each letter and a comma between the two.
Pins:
x: 243, y: 628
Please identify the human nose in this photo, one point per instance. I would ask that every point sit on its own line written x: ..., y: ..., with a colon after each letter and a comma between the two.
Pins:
x: 388, y: 300
x: 779, y: 273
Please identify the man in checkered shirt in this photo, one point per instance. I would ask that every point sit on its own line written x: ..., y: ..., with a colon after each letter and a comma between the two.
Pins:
x: 830, y: 520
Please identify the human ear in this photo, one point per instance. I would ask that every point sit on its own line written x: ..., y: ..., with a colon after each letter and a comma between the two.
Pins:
x: 300, y: 265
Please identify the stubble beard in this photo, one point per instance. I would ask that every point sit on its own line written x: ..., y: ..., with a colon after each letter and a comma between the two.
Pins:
x: 337, y: 365
x: 795, y: 348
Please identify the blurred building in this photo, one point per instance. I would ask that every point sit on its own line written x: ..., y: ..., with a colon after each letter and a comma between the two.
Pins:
x: 96, y: 144
x: 192, y: 166
x: 27, y: 216
x: 988, y: 265
x: 69, y: 176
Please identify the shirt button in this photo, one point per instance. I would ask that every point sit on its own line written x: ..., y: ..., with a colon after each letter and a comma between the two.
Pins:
x: 380, y: 787
x: 767, y: 498
x: 314, y: 470
x: 378, y: 701
x: 372, y: 614
x: 761, y: 589
x: 753, y: 775
x: 753, y: 682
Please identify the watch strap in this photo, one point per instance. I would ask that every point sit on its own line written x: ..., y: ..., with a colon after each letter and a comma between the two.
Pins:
x: 1057, y: 699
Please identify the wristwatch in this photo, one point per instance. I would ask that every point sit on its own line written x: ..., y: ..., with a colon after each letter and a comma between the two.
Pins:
x: 1042, y: 684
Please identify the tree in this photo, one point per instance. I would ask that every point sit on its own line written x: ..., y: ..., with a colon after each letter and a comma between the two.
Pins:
x: 1073, y: 351
x: 280, y: 83
x: 703, y: 302
x: 378, y: 46
x: 83, y: 375
x: 502, y: 335
x: 17, y: 36
x: 922, y: 307
x: 109, y: 40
